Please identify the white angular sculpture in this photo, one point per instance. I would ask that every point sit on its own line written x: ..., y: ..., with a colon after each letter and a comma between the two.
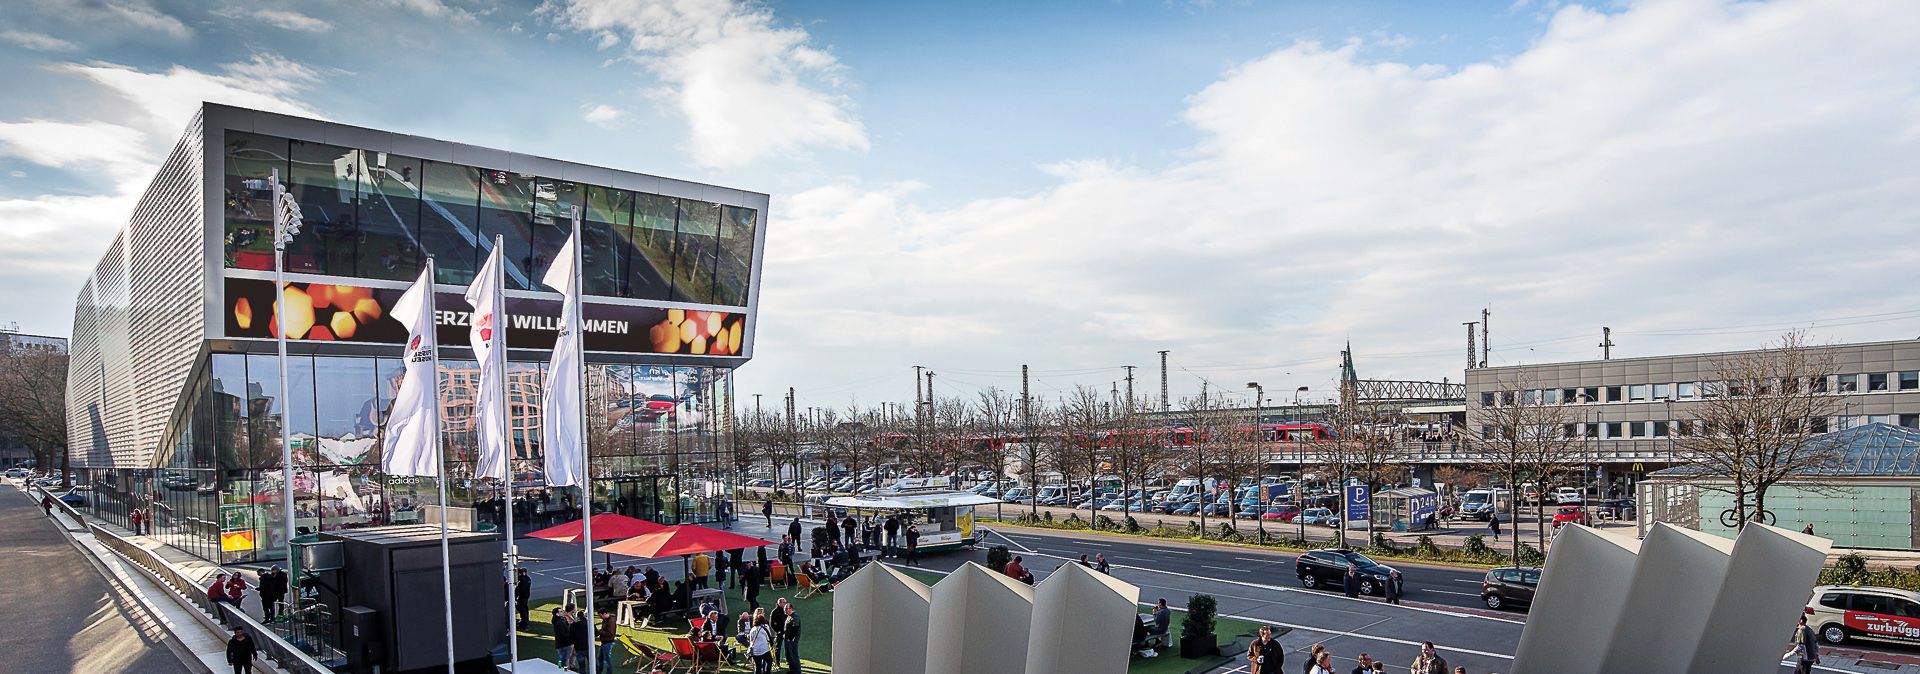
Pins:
x: 880, y: 623
x: 1692, y: 602
x: 1578, y: 602
x: 1082, y: 623
x: 1767, y: 585
x: 978, y: 622
x: 1674, y: 584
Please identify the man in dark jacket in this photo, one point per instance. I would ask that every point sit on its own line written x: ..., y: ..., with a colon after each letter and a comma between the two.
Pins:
x: 522, y: 594
x: 846, y: 527
x: 913, y: 546
x: 790, y: 639
x: 793, y: 529
x: 580, y: 631
x: 273, y: 589
x: 1352, y: 581
x: 750, y: 577
x: 777, y: 620
x: 1265, y: 655
x: 893, y: 531
x: 240, y: 651
x: 766, y: 508
x: 1396, y: 585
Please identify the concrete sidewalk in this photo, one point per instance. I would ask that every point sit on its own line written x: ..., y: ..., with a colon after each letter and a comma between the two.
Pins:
x: 195, y: 638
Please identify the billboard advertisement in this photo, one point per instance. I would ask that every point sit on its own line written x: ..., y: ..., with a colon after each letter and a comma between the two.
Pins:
x: 348, y: 313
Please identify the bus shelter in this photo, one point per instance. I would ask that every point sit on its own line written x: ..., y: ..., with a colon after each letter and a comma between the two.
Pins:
x: 1406, y: 509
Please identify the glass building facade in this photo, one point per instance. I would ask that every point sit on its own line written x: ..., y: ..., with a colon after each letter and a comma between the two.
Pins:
x: 174, y: 388
x: 217, y: 491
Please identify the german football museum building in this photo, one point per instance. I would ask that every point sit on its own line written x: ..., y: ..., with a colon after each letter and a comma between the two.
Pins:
x: 173, y: 395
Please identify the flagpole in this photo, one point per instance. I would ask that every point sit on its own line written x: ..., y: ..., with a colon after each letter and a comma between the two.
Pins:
x: 586, y: 468
x: 499, y: 355
x: 446, y: 566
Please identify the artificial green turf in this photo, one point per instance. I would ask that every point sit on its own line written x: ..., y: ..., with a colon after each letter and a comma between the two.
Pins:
x: 816, y: 633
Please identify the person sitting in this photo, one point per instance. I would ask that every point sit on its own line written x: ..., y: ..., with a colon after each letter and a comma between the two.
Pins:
x: 714, y: 630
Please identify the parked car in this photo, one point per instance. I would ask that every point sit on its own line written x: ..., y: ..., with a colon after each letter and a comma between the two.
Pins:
x: 76, y: 497
x: 1569, y: 496
x: 763, y: 484
x: 1188, y: 508
x: 1017, y: 494
x: 1572, y: 514
x: 17, y: 473
x: 1844, y: 612
x: 1509, y: 586
x: 659, y: 405
x: 1328, y: 567
x: 1320, y: 516
x: 1219, y: 509
x: 1284, y: 512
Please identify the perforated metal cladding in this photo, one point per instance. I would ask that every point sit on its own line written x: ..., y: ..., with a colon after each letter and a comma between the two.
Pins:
x: 138, y: 325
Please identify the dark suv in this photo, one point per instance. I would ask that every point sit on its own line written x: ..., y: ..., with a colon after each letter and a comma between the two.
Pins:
x: 1329, y: 568
x: 1509, y: 586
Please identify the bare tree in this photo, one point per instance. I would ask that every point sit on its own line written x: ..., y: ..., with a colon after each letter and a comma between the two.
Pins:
x: 994, y: 412
x: 1135, y: 448
x: 1529, y: 434
x: 1035, y: 450
x: 1078, y: 454
x: 1209, y: 425
x: 1761, y: 423
x: 33, y: 404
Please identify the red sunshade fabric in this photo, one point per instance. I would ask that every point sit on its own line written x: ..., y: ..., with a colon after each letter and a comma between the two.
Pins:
x: 606, y: 527
x: 686, y: 539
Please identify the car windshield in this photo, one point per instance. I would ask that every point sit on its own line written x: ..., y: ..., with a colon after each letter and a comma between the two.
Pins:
x: 1360, y: 559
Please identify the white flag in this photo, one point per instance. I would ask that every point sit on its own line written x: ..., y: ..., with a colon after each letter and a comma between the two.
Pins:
x: 560, y: 403
x: 487, y: 326
x: 412, y: 443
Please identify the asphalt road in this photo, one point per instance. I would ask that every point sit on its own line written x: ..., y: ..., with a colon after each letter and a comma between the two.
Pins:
x: 59, y: 612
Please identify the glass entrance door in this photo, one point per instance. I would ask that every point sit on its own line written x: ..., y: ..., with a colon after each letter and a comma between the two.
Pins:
x: 647, y: 498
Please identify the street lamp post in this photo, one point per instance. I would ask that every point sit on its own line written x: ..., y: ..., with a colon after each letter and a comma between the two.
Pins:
x: 286, y: 225
x: 1259, y: 406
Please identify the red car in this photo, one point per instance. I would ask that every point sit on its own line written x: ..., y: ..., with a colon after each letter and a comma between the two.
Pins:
x: 660, y: 405
x: 1572, y: 515
x: 1283, y: 512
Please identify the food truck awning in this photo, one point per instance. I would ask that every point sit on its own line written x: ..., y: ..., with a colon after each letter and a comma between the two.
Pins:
x: 904, y: 501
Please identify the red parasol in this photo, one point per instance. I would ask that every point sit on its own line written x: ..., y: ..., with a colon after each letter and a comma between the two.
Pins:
x: 606, y: 527
x: 682, y: 540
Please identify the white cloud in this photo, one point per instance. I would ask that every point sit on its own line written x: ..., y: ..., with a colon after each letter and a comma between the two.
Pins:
x: 748, y: 86
x: 52, y: 241
x: 38, y: 41
x: 433, y: 9
x: 278, y: 18
x: 602, y: 115
x: 137, y: 15
x: 1672, y: 165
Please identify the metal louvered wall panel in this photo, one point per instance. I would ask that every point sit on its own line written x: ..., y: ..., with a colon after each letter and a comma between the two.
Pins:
x: 124, y: 385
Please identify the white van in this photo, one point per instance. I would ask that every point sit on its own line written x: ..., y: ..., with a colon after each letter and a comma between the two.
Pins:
x: 1185, y: 488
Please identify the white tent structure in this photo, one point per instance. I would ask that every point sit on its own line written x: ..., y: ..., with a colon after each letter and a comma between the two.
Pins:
x: 880, y: 623
x: 975, y: 607
x: 1082, y: 623
x: 1691, y: 602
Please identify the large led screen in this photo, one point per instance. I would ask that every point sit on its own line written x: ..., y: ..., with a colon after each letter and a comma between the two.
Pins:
x: 347, y: 313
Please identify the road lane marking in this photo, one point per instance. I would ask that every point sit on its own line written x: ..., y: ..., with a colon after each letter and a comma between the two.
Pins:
x: 1104, y: 545
x: 1256, y: 559
x: 1357, y: 635
x: 1279, y: 588
x: 1225, y: 568
x: 1171, y: 552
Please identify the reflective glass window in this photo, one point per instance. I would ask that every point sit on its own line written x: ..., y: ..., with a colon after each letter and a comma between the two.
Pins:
x: 1909, y: 380
x: 1849, y: 383
x: 553, y: 202
x: 389, y: 211
x: 696, y: 251
x: 450, y: 220
x: 650, y: 274
x: 325, y: 180
x: 248, y: 197
x: 229, y: 402
x: 736, y: 256
x: 459, y: 388
x: 506, y: 210
x: 1876, y: 382
x: 607, y: 228
x: 1662, y: 391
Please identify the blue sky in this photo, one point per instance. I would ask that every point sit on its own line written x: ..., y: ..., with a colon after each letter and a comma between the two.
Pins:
x: 1077, y: 185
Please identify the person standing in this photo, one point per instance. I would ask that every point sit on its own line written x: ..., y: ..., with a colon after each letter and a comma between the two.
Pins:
x: 1806, y: 647
x: 237, y: 591
x: 1493, y: 524
x: 241, y: 651
x: 580, y: 632
x: 1264, y: 655
x: 46, y: 504
x: 847, y: 527
x: 1429, y: 662
x: 720, y: 566
x: 1352, y: 581
x: 1365, y: 665
x: 1313, y: 656
x: 786, y: 553
x: 273, y: 589
x: 522, y: 595
x: 1322, y: 665
x: 913, y: 546
x: 793, y: 529
x: 702, y: 565
x: 563, y: 637
x: 759, y: 644
x: 1396, y: 585
x: 724, y: 510
x: 790, y: 639
x: 750, y: 577
x: 778, y: 622
x: 892, y: 528
x: 133, y: 521
x: 740, y: 563
x: 605, y: 638
x: 766, y: 509
x: 1100, y: 563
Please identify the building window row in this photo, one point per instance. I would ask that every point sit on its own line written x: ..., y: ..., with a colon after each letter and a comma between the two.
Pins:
x: 1872, y: 382
x: 378, y: 215
x: 1679, y: 428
